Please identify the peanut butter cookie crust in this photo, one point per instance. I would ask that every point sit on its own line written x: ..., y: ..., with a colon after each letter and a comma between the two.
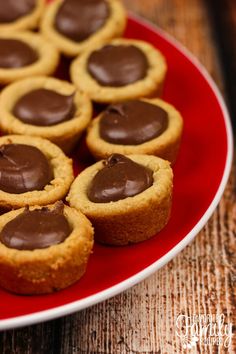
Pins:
x: 64, y: 134
x: 46, y: 270
x: 132, y: 219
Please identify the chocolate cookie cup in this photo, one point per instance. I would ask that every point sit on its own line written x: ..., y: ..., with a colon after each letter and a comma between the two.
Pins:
x: 148, y: 126
x: 54, y: 258
x: 34, y: 171
x: 74, y: 26
x: 20, y: 14
x: 45, y: 107
x: 123, y: 69
x: 127, y: 199
x: 25, y: 54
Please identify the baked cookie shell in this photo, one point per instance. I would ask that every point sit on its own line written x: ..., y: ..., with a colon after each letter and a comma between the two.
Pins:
x: 165, y: 146
x: 65, y: 134
x: 48, y: 57
x: 46, y: 270
x: 114, y: 27
x: 59, y: 186
x: 132, y: 219
x: 150, y: 85
x: 26, y: 22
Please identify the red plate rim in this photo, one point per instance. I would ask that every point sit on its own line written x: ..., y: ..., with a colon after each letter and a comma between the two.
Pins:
x: 78, y: 305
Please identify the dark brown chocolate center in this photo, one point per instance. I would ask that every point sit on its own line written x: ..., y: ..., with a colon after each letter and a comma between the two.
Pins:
x: 31, y: 230
x: 132, y: 123
x: 44, y: 108
x: 11, y: 10
x: 120, y: 178
x: 23, y: 168
x: 118, y: 65
x: 16, y: 54
x: 79, y: 19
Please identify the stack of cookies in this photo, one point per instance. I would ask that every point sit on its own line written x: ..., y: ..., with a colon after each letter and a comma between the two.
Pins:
x: 125, y: 197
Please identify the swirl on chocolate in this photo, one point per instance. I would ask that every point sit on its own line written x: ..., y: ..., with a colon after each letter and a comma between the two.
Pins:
x: 12, y: 10
x: 36, y: 229
x: 120, y: 178
x: 78, y: 20
x: 44, y: 107
x: 16, y: 54
x: 132, y: 123
x: 23, y: 168
x: 118, y: 65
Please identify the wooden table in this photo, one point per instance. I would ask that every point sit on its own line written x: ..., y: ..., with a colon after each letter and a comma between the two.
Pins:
x: 200, y: 279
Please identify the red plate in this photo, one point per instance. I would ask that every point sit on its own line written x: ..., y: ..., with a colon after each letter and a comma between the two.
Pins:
x: 201, y: 173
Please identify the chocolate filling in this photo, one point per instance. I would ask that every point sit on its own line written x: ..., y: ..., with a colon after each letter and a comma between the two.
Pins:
x: 12, y: 10
x: 79, y: 19
x: 132, y: 123
x: 16, y: 54
x: 23, y: 168
x: 44, y: 108
x: 36, y: 229
x: 120, y: 178
x: 117, y: 65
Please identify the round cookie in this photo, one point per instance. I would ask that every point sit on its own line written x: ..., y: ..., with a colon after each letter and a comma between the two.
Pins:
x: 53, y: 259
x: 39, y: 175
x: 127, y: 199
x: 45, y: 107
x: 25, y: 54
x: 74, y: 26
x: 130, y: 128
x: 123, y: 69
x: 20, y: 14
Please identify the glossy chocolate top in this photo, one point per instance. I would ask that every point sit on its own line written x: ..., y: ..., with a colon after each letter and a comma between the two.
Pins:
x: 79, y: 19
x: 132, y: 123
x: 118, y: 65
x: 36, y: 229
x: 23, y: 168
x: 120, y: 178
x: 16, y: 54
x: 12, y: 10
x: 43, y: 107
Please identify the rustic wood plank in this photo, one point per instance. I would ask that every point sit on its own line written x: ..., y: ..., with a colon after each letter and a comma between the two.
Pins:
x: 200, y: 280
x: 223, y: 14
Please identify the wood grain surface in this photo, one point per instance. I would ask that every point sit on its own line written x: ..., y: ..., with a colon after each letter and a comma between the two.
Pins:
x: 200, y: 280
